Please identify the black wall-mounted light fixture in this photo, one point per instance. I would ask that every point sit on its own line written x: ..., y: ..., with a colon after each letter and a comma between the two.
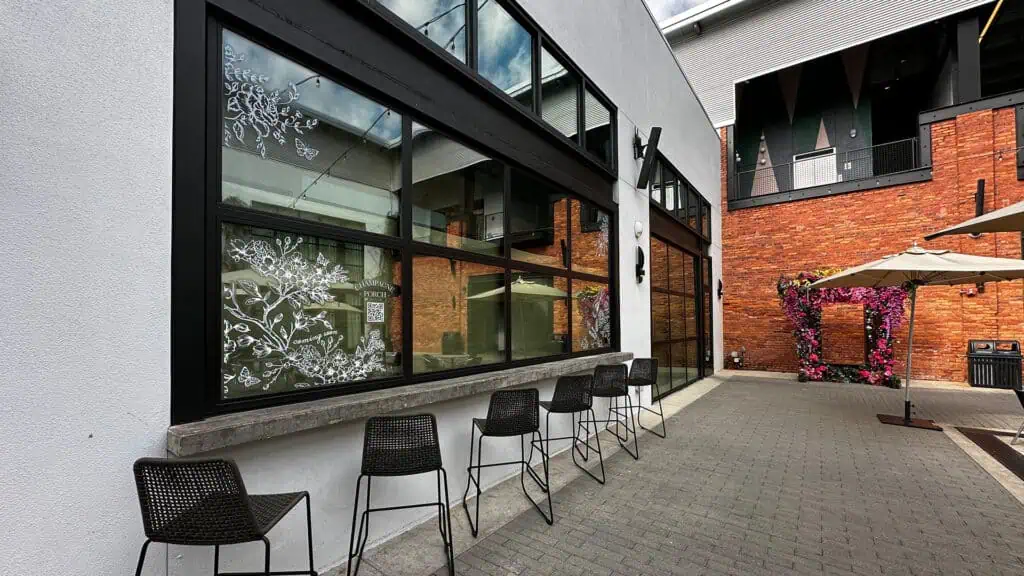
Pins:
x: 648, y: 151
x: 721, y: 289
x: 979, y: 203
x: 640, y: 265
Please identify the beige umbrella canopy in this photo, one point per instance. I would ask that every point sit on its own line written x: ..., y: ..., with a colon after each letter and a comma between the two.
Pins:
x: 1009, y: 219
x: 521, y: 288
x: 919, y: 267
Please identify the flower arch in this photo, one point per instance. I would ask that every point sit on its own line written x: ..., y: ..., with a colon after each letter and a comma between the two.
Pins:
x: 884, y: 315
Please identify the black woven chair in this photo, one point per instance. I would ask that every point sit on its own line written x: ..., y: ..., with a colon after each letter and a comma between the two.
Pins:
x: 510, y: 413
x: 610, y: 381
x: 400, y: 446
x: 644, y: 373
x: 572, y: 396
x: 203, y: 502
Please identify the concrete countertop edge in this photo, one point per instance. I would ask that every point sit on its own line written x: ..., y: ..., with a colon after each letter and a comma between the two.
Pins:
x: 218, y: 432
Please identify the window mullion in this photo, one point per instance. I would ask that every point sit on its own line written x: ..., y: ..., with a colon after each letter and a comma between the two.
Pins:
x: 507, y: 233
x: 405, y: 223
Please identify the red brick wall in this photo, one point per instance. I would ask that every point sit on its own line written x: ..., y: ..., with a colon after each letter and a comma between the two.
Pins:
x: 760, y: 244
x: 842, y: 333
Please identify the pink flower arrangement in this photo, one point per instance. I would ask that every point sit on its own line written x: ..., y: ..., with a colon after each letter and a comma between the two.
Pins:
x: 803, y: 305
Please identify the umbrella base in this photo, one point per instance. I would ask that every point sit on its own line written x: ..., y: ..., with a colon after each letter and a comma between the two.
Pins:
x: 911, y: 423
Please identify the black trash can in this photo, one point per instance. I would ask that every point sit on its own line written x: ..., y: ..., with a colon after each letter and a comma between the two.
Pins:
x: 994, y: 364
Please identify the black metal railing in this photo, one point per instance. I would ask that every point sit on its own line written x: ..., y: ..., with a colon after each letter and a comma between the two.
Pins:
x: 825, y: 168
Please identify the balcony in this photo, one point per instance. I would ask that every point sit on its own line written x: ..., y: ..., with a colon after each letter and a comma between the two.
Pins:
x: 827, y: 171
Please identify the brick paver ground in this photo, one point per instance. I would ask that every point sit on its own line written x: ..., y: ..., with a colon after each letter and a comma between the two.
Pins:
x: 770, y: 477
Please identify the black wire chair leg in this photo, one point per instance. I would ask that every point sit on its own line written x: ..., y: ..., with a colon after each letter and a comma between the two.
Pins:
x: 586, y: 441
x: 525, y: 465
x: 635, y: 453
x: 309, y: 535
x: 544, y: 486
x: 660, y: 412
x: 473, y: 526
x: 142, y: 557
x: 449, y: 541
x: 578, y: 427
x: 216, y: 560
x: 357, y: 540
x: 619, y: 417
x: 266, y: 562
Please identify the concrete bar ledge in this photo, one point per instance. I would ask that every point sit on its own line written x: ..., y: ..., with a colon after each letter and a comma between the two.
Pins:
x: 234, y: 429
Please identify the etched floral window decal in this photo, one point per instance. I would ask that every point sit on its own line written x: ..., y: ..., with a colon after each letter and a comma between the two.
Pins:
x: 285, y: 323
x: 252, y: 108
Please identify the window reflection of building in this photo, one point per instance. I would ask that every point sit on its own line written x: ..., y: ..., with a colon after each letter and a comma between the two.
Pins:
x: 458, y: 314
x: 458, y: 195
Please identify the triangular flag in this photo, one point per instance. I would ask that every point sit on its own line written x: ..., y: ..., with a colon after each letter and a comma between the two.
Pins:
x: 855, y: 60
x: 822, y: 137
x: 764, y: 175
x: 789, y: 83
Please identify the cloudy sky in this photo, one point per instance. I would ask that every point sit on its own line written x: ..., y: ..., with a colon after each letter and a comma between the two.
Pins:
x: 666, y: 8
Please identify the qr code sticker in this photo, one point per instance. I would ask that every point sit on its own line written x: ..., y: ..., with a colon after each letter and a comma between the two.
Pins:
x: 374, y: 312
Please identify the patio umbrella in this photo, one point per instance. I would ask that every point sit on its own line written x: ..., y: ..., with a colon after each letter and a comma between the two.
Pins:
x: 1009, y: 219
x: 521, y: 288
x: 919, y: 267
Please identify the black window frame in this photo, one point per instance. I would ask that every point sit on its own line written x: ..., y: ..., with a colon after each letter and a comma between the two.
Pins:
x: 682, y: 189
x: 197, y: 213
x: 540, y: 39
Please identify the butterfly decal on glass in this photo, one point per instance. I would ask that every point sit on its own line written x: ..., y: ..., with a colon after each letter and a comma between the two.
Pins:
x: 247, y: 379
x: 306, y: 152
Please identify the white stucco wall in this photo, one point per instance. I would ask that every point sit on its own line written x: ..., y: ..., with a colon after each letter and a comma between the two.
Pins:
x: 85, y: 236
x: 618, y: 45
x: 85, y: 230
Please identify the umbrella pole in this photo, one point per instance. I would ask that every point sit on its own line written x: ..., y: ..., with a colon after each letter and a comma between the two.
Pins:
x: 910, y: 353
x: 906, y: 419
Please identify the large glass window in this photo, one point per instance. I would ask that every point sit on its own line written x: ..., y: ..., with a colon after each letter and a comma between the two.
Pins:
x: 305, y: 312
x: 537, y: 224
x: 458, y: 314
x: 540, y: 315
x: 298, y: 144
x: 591, y: 316
x: 599, y: 129
x: 693, y: 207
x: 457, y: 195
x: 324, y: 287
x: 591, y: 228
x: 705, y: 219
x: 559, y: 95
x: 505, y: 51
x: 656, y: 182
x: 443, y: 21
x: 673, y: 321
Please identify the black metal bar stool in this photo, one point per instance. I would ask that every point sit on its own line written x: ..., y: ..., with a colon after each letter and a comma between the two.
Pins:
x: 610, y: 382
x: 203, y: 502
x: 400, y: 446
x: 644, y: 373
x: 510, y: 413
x: 572, y: 396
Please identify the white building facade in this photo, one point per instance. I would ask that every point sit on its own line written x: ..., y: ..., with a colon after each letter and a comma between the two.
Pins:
x: 240, y: 210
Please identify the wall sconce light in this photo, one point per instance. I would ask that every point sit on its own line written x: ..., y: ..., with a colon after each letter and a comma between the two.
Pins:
x: 853, y: 132
x: 721, y: 289
x: 638, y: 229
x: 639, y: 265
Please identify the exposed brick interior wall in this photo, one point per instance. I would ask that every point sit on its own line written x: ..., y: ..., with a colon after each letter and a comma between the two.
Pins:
x: 760, y: 244
x: 440, y: 291
x: 842, y: 333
